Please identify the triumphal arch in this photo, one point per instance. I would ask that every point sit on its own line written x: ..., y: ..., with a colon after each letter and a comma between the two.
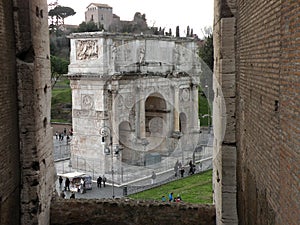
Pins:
x: 135, y: 103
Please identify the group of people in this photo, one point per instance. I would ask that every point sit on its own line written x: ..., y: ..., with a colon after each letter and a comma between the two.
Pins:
x: 179, y: 168
x: 67, y: 187
x: 101, y: 180
x: 60, y: 135
x: 171, y: 198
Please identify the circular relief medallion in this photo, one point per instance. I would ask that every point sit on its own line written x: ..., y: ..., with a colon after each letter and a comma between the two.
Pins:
x: 129, y: 101
x: 87, y: 102
x: 185, y: 94
x: 104, y: 131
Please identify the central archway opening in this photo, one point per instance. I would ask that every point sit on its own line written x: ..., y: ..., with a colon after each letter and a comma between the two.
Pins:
x: 155, y: 115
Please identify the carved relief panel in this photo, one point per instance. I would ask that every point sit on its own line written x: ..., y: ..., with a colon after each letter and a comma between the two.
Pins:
x: 184, y: 95
x: 87, y: 49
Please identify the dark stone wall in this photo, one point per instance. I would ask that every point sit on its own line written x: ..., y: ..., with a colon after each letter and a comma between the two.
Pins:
x: 129, y: 212
x: 27, y: 168
x: 9, y: 141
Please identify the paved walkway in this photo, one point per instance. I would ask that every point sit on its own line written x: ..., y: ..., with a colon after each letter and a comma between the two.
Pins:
x: 63, y: 166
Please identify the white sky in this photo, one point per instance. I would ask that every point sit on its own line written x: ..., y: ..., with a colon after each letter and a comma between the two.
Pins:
x: 162, y: 13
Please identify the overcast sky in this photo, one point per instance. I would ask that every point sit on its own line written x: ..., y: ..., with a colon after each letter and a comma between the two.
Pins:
x: 160, y: 13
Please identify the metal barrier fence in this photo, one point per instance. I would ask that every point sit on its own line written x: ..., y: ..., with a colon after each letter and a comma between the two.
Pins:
x: 61, y: 150
x: 124, y: 173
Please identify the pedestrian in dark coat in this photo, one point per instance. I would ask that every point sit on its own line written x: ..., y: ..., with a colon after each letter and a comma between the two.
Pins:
x: 67, y: 184
x: 99, y: 182
x: 104, y: 180
x: 60, y: 179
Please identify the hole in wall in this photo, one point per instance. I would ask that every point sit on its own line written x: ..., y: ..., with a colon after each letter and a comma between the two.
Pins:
x: 260, y: 99
x: 218, y: 178
x: 45, y: 89
x: 276, y: 106
x: 35, y: 166
x: 41, y: 13
x: 37, y: 11
x: 45, y: 122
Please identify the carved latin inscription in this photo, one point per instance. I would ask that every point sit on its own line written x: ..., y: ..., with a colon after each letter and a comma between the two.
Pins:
x: 87, y: 49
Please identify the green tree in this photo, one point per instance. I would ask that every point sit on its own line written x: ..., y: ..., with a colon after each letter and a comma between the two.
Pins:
x: 58, y: 15
x: 207, y: 63
x: 59, y: 66
x: 206, y: 51
x: 89, y: 27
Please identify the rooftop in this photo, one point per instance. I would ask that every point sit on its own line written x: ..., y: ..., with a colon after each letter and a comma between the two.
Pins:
x: 99, y: 5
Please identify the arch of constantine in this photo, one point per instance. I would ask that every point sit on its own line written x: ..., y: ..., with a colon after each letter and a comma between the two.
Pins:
x: 135, y: 103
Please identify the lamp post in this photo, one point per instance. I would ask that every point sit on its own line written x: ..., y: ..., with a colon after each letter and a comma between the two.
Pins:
x: 105, y: 132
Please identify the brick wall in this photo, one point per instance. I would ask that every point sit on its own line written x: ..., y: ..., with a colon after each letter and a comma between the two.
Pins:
x: 268, y: 133
x: 124, y: 212
x: 289, y: 114
x: 9, y: 149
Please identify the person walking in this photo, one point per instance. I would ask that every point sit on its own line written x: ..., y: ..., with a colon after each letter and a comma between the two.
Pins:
x: 60, y: 180
x: 182, y: 171
x: 67, y: 184
x: 99, y: 182
x: 176, y: 168
x: 103, y: 180
x: 153, y: 177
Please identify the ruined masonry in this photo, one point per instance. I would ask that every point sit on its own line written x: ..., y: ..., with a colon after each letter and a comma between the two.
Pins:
x: 135, y: 97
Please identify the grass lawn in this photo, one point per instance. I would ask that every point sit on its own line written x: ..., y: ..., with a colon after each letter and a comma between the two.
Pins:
x: 193, y: 189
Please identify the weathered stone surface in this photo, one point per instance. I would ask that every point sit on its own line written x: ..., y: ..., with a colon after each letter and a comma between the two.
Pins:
x: 127, y: 211
x: 140, y: 88
x: 224, y: 119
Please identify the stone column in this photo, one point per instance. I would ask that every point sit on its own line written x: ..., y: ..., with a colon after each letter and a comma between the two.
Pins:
x: 142, y: 117
x: 195, y: 102
x: 114, y: 120
x: 176, y: 110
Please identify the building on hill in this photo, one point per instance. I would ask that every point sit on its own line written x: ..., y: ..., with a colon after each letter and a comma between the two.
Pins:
x: 102, y: 14
x: 99, y: 14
